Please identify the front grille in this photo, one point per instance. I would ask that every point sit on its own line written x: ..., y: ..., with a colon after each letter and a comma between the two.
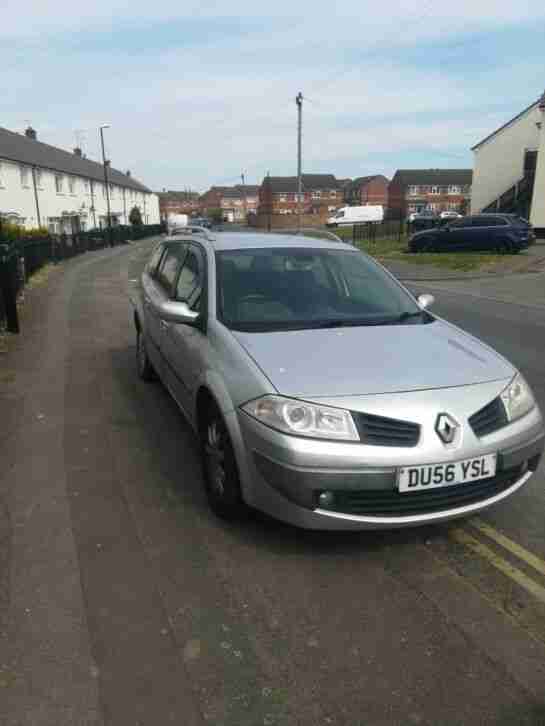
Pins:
x: 391, y: 503
x: 489, y: 419
x: 380, y: 431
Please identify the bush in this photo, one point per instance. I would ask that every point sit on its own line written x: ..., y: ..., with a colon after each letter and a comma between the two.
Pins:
x: 135, y: 217
x: 12, y: 232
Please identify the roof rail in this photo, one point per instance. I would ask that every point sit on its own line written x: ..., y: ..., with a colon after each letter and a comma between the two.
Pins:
x: 314, y: 232
x: 179, y: 231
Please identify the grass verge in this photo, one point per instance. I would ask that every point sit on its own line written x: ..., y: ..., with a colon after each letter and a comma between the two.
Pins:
x: 394, y: 249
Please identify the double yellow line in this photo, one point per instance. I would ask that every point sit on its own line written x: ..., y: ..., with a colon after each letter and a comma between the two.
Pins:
x: 501, y: 564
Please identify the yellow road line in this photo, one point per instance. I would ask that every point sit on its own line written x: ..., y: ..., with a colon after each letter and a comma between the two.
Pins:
x: 499, y: 563
x: 533, y: 560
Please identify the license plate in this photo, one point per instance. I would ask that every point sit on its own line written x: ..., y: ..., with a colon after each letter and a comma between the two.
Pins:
x: 434, y: 476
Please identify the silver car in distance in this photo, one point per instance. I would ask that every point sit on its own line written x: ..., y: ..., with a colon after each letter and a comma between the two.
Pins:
x: 322, y: 392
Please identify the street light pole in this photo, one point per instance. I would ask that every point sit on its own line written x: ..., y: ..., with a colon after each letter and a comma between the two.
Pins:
x: 299, y: 102
x: 244, y: 198
x: 105, y: 163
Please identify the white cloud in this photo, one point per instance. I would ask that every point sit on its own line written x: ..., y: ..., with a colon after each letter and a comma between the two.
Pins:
x: 205, y: 112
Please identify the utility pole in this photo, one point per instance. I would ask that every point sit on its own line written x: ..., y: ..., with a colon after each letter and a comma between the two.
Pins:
x: 299, y: 102
x: 106, y: 126
x: 244, y: 198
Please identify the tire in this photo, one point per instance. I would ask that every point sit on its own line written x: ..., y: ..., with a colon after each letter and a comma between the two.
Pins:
x: 428, y: 246
x: 220, y: 471
x: 143, y: 365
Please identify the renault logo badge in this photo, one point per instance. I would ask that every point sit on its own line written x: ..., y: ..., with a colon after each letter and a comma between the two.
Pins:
x: 446, y: 428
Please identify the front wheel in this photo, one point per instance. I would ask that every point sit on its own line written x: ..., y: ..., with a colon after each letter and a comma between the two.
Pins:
x: 220, y: 469
x: 144, y: 367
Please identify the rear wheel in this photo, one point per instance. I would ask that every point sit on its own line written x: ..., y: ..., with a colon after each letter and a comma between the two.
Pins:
x: 144, y: 367
x: 220, y: 469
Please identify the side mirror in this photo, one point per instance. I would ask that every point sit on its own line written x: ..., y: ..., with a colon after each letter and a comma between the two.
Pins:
x: 178, y: 312
x: 425, y: 301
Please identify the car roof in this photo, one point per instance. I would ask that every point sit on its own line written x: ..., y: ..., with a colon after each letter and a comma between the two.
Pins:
x: 224, y: 241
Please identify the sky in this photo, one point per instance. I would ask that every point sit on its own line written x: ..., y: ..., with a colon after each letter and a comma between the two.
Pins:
x: 198, y: 93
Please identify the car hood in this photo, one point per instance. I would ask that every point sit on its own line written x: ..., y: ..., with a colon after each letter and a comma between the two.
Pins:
x: 372, y: 360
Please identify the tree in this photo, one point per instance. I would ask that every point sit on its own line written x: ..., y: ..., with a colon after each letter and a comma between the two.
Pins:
x: 216, y: 215
x: 135, y: 217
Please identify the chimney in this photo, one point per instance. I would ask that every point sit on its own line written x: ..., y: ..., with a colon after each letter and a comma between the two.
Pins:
x: 78, y: 152
x: 128, y: 173
x: 542, y: 103
x: 30, y: 133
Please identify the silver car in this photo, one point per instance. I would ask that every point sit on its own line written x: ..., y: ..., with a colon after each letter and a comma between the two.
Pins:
x: 322, y: 392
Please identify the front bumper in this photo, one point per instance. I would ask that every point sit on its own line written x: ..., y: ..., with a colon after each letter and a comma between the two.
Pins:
x: 287, y: 474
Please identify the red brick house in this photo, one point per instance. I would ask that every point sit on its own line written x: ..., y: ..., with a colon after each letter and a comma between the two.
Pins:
x: 435, y: 190
x: 367, y: 190
x: 321, y: 194
x: 236, y: 202
x: 171, y: 202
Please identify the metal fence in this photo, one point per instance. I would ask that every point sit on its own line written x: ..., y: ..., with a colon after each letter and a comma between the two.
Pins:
x: 21, y: 258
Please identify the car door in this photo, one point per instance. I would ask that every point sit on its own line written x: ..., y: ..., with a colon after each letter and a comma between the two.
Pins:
x: 481, y: 233
x: 452, y: 235
x: 149, y: 293
x: 160, y: 288
x: 184, y: 346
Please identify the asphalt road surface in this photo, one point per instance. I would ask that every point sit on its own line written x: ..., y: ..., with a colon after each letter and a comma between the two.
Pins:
x: 126, y: 602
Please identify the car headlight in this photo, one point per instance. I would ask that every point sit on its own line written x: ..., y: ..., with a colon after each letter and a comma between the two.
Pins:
x: 300, y: 418
x: 517, y: 398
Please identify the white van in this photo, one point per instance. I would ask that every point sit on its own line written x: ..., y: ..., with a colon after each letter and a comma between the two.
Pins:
x: 356, y: 215
x: 176, y: 222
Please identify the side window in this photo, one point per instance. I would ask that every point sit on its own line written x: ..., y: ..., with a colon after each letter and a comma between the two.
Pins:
x: 190, y: 281
x: 168, y: 269
x: 499, y: 222
x: 479, y: 222
x: 151, y: 267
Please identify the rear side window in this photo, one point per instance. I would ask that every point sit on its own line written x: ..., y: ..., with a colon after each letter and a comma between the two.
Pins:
x: 480, y: 222
x: 170, y: 266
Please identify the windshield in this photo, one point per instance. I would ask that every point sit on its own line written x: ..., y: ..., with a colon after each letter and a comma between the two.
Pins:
x: 288, y: 289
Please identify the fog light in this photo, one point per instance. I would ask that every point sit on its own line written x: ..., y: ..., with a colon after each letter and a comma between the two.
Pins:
x: 326, y: 499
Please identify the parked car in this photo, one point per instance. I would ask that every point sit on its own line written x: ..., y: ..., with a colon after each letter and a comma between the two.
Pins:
x: 322, y: 392
x: 447, y: 214
x: 495, y: 232
x: 424, y: 214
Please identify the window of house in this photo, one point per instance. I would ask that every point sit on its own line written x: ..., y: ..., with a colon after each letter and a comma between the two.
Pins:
x: 87, y: 186
x: 59, y: 183
x: 71, y: 185
x: 282, y: 198
x: 316, y: 195
x: 413, y: 190
x: 454, y: 189
x: 333, y: 193
x: 24, y: 176
x: 39, y: 178
x: 112, y: 190
x: 434, y: 190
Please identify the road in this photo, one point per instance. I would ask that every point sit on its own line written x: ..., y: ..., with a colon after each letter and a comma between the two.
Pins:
x: 126, y: 602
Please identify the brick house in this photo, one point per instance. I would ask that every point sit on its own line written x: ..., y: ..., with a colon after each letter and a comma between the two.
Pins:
x: 322, y: 194
x: 237, y: 201
x: 171, y: 202
x: 435, y: 190
x: 367, y: 190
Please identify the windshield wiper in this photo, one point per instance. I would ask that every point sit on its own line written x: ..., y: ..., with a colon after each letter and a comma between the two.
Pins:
x: 407, y: 316
x: 348, y: 323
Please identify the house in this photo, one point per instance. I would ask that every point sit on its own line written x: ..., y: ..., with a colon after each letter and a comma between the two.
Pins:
x: 367, y: 190
x: 171, y: 202
x: 42, y: 185
x: 236, y: 202
x: 509, y: 167
x: 435, y: 190
x: 321, y: 194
